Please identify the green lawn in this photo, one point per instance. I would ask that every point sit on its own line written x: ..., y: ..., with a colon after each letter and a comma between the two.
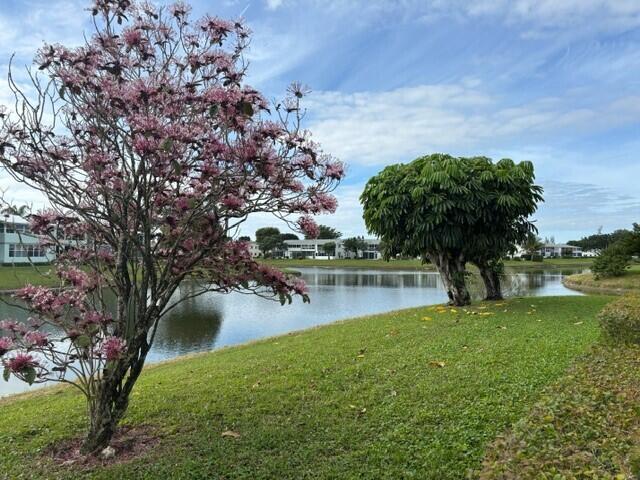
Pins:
x: 551, y: 263
x: 415, y: 393
x: 14, y: 277
x: 629, y: 282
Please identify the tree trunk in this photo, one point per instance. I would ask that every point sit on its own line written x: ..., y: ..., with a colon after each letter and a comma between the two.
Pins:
x: 109, y: 405
x: 452, y: 271
x: 491, y: 280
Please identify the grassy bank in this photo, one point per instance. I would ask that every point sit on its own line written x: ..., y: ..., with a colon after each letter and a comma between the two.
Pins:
x: 629, y: 282
x: 416, y: 393
x: 586, y: 425
x: 551, y: 263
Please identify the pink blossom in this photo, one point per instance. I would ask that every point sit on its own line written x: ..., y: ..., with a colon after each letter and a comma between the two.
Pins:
x: 182, y: 203
x: 13, y: 327
x: 326, y: 202
x: 20, y: 362
x: 5, y: 345
x: 233, y: 202
x: 42, y: 222
x: 48, y: 301
x: 300, y: 287
x: 132, y: 37
x: 113, y: 348
x: 77, y: 278
x: 179, y: 9
x: 335, y: 170
x: 36, y: 339
x: 308, y: 226
x: 96, y: 318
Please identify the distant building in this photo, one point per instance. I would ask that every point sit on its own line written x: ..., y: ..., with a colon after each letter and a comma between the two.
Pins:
x: 591, y: 253
x: 550, y: 250
x: 254, y: 249
x: 313, y: 249
x: 19, y: 246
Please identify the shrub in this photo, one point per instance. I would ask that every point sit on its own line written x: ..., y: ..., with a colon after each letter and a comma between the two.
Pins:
x: 620, y: 319
x: 532, y: 257
x: 612, y: 262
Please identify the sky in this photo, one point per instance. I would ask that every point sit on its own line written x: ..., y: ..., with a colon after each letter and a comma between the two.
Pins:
x: 553, y: 82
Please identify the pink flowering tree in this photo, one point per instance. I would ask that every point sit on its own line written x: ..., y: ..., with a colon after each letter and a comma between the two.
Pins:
x: 151, y: 151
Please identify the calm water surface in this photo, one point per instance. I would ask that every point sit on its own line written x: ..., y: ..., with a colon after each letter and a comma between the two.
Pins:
x: 216, y: 320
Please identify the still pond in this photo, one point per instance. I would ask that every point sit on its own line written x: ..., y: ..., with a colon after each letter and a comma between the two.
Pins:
x: 216, y: 320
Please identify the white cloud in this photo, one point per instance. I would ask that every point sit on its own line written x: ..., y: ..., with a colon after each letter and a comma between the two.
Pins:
x: 373, y: 128
x: 572, y: 207
x: 274, y: 4
x: 536, y: 16
x: 53, y: 21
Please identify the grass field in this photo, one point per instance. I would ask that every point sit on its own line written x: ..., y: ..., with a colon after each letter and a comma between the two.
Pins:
x: 417, y: 393
x: 629, y: 282
x: 14, y: 277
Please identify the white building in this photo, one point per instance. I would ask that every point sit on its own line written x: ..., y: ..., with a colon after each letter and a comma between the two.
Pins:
x: 254, y: 250
x: 549, y: 250
x: 19, y: 246
x: 314, y: 249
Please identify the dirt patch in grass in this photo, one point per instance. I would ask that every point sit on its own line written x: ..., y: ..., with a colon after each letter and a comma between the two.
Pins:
x: 129, y: 442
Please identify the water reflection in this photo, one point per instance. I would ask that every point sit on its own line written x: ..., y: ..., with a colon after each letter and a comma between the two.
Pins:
x: 215, y: 320
x: 189, y: 327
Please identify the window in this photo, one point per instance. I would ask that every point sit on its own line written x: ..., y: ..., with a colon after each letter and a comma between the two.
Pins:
x: 17, y: 250
x: 16, y: 228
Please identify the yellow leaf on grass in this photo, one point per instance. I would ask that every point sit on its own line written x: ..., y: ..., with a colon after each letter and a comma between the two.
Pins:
x: 427, y: 318
x: 435, y: 363
x: 230, y: 434
x: 578, y: 323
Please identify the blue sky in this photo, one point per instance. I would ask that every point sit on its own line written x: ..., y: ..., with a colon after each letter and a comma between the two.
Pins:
x: 554, y: 82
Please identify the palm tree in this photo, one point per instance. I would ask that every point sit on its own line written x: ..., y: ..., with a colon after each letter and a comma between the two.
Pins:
x: 532, y: 244
x: 16, y: 211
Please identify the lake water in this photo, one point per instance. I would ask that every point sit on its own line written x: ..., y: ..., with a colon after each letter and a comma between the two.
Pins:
x: 216, y: 320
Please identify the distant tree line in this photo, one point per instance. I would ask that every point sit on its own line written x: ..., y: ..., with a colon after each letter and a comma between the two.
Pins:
x: 615, y: 258
x: 600, y: 241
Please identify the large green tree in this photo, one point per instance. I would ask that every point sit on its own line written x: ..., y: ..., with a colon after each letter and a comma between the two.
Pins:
x: 506, y: 197
x: 329, y: 249
x: 354, y: 244
x: 269, y: 239
x: 327, y: 233
x: 453, y: 211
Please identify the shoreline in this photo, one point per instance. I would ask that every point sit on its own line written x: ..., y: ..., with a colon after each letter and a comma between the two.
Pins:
x: 595, y: 290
